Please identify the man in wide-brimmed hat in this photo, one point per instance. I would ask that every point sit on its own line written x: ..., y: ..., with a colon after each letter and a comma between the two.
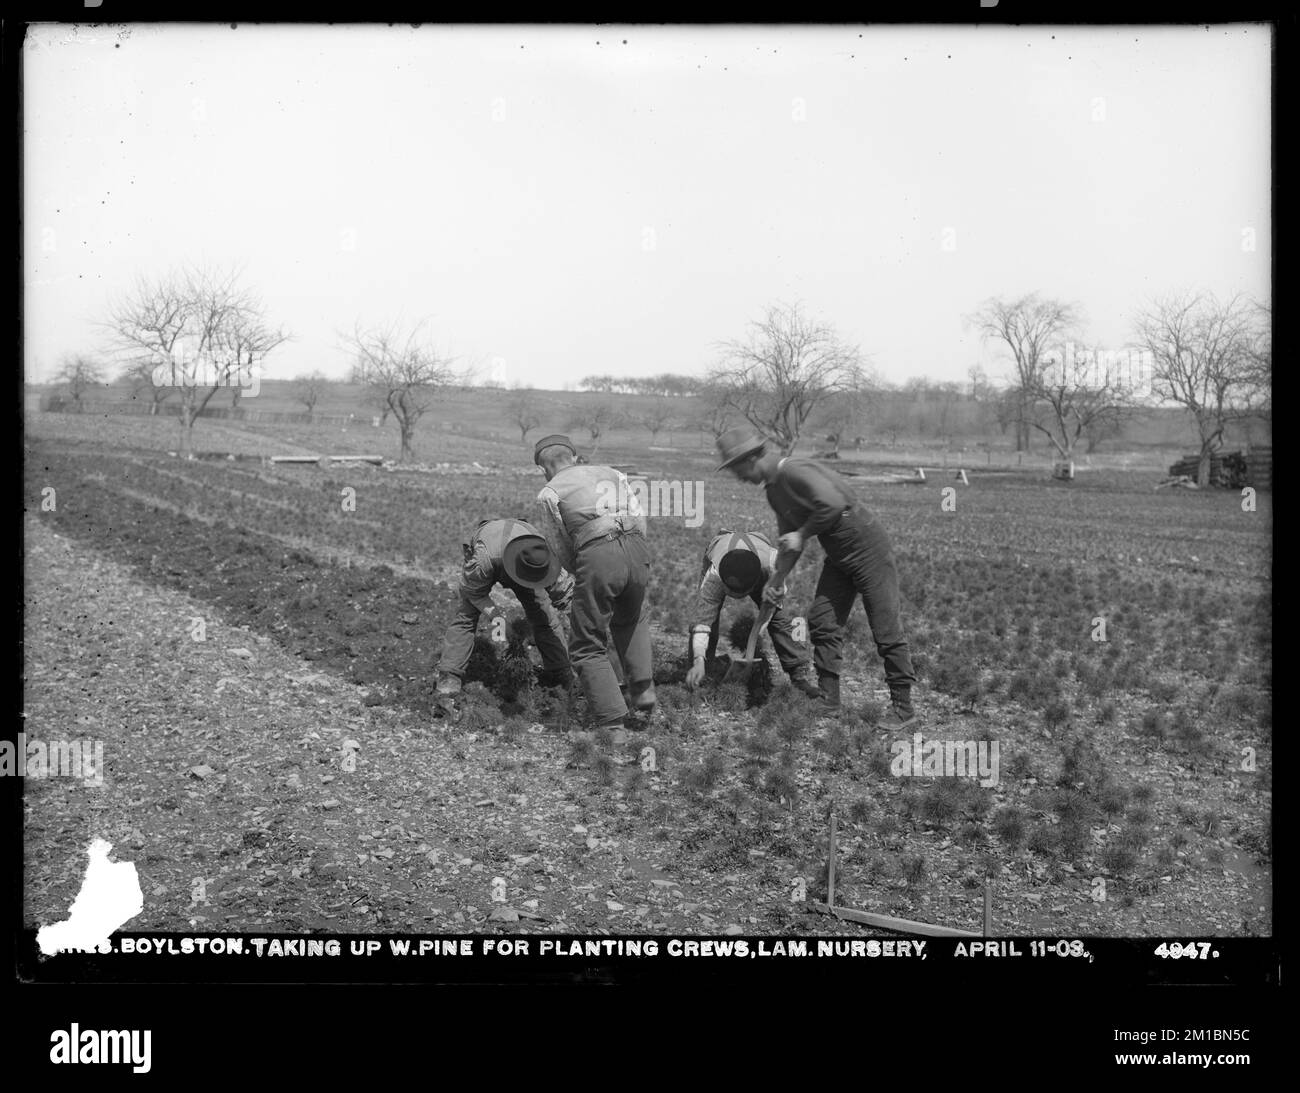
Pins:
x: 810, y: 499
x: 515, y: 555
x: 738, y: 565
x: 593, y: 522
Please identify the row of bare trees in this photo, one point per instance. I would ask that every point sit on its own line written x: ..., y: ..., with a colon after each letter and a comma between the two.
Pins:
x: 195, y: 331
x: 1211, y: 357
x: 666, y: 384
x: 791, y: 372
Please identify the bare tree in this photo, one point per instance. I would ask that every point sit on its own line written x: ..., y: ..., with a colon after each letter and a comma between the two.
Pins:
x: 786, y: 367
x: 1214, y: 359
x: 79, y: 373
x: 523, y: 411
x: 1259, y: 379
x: 1079, y: 393
x: 308, y: 390
x: 596, y: 418
x: 1009, y: 409
x: 401, y: 374
x: 200, y: 329
x: 1097, y: 431
x: 371, y: 396
x: 891, y: 416
x: 836, y: 419
x: 714, y: 411
x: 656, y: 416
x: 947, y: 394
x: 244, y: 344
x: 138, y: 374
x: 1030, y: 327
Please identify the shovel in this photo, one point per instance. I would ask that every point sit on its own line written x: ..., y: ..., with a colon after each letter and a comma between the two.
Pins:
x: 739, y: 670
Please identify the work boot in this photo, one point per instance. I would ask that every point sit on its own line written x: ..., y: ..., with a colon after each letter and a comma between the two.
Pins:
x: 801, y: 680
x: 900, y: 715
x: 828, y: 701
x: 643, y: 701
x: 554, y: 677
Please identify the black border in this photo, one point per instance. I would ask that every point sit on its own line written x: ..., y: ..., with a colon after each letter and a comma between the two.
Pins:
x: 295, y: 1031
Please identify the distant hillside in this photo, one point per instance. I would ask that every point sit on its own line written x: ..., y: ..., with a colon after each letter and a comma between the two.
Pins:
x: 485, y: 413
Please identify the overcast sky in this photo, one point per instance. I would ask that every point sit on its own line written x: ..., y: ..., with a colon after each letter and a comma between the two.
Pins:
x: 566, y: 201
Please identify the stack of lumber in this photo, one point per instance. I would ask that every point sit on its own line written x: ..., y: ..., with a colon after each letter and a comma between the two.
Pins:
x: 1228, y: 470
x: 1259, y: 468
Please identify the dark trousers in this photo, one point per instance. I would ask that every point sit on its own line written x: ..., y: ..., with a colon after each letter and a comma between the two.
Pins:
x: 859, y: 562
x: 458, y: 640
x: 610, y: 608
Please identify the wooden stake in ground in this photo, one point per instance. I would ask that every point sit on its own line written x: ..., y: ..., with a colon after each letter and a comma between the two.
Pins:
x: 988, y: 908
x: 830, y: 864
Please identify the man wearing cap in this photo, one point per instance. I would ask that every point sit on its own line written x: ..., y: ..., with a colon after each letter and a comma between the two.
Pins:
x: 738, y: 565
x: 809, y: 499
x: 593, y: 522
x: 515, y: 555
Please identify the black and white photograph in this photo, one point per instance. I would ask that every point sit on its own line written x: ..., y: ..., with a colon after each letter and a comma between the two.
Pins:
x: 576, y: 490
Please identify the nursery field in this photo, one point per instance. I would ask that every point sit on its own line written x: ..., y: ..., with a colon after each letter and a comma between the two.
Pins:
x: 1112, y: 641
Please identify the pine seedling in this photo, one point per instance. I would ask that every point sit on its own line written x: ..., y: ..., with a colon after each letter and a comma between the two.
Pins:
x: 860, y: 811
x: 879, y: 761
x: 1135, y: 837
x: 780, y: 784
x: 1056, y: 715
x: 1113, y: 800
x: 915, y: 870
x: 1118, y: 861
x: 761, y: 745
x: 1074, y: 838
x: 1020, y: 766
x: 513, y: 729
x: 939, y: 805
x: 1042, y: 839
x: 790, y: 731
x: 731, y: 697
x: 714, y: 767
x: 581, y: 751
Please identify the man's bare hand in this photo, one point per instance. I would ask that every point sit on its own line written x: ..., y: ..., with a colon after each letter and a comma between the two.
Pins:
x: 791, y: 541
x: 696, y: 675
